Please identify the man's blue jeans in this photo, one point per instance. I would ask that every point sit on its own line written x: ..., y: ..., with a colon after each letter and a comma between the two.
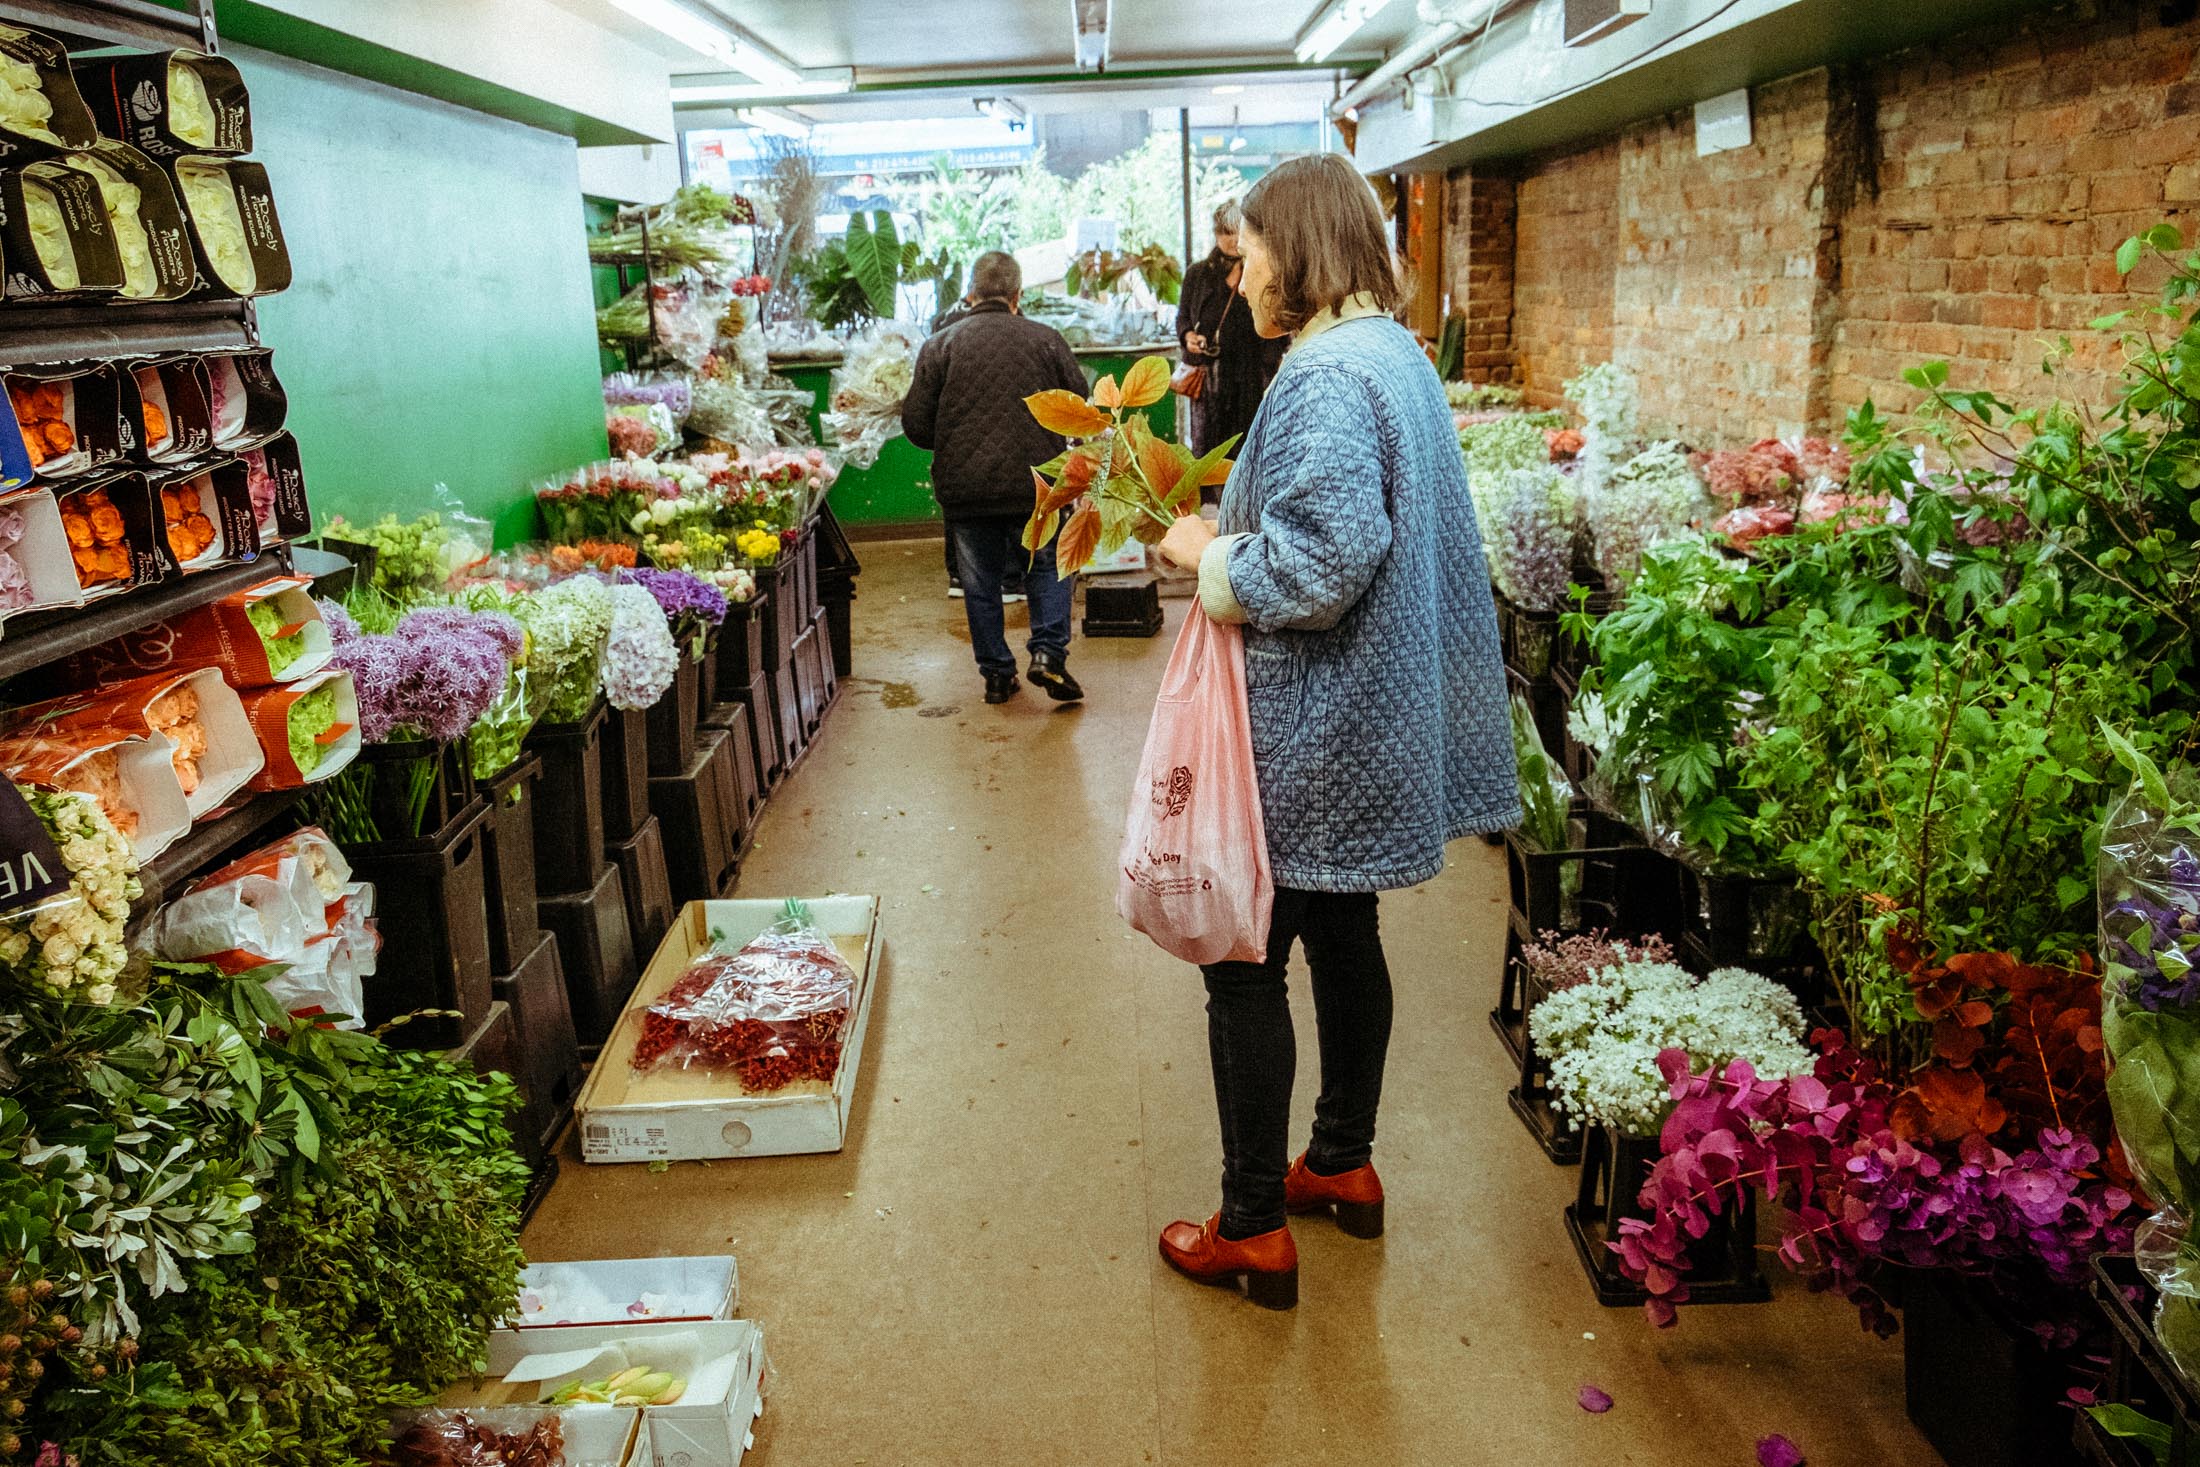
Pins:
x: 987, y: 549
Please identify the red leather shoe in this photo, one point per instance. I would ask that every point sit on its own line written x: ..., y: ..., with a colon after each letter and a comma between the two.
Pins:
x: 1355, y: 1196
x: 1269, y: 1264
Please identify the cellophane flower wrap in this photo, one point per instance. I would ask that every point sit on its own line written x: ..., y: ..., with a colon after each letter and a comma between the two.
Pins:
x: 693, y: 607
x: 1603, y: 1037
x: 1654, y: 497
x: 15, y: 584
x: 868, y: 388
x: 1531, y: 544
x: 640, y: 659
x: 568, y: 624
x: 2150, y: 1020
x: 771, y: 1013
x: 73, y: 946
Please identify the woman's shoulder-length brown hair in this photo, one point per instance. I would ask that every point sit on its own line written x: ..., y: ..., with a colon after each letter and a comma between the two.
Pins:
x: 1324, y: 235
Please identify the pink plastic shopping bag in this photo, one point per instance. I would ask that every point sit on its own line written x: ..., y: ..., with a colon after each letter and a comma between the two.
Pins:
x: 1195, y: 852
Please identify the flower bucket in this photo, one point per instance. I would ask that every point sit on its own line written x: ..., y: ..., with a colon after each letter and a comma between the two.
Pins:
x: 434, y: 920
x: 672, y: 719
x: 1982, y: 1388
x: 550, y: 1058
x: 692, y: 806
x: 510, y: 842
x: 568, y: 803
x: 625, y: 773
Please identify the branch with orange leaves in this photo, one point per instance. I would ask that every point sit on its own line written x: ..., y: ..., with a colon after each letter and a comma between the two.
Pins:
x: 1118, y: 481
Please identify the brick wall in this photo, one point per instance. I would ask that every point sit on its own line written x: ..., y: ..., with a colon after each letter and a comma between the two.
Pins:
x: 1565, y: 235
x: 2012, y: 163
x: 1480, y: 249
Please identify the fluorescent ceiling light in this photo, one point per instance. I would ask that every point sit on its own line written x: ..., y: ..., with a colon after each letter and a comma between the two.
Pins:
x: 1090, y: 19
x: 775, y: 120
x: 711, y: 38
x: 1336, y: 25
x: 1237, y: 144
x: 814, y: 84
x: 1228, y: 91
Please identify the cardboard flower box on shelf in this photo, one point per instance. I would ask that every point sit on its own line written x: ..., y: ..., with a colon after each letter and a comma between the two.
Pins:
x: 672, y: 1114
x: 196, y: 714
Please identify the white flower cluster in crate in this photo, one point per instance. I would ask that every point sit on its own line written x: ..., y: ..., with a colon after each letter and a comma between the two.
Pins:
x: 1602, y: 1038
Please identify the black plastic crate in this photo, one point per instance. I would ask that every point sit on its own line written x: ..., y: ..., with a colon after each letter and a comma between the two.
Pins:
x: 828, y: 671
x: 2139, y: 1374
x: 706, y: 676
x: 1123, y: 606
x: 432, y: 909
x: 1530, y: 1097
x: 1980, y: 1387
x: 789, y: 737
x: 740, y: 648
x: 809, y: 681
x: 647, y: 885
x: 568, y: 803
x: 1722, y: 1264
x: 508, y: 841
x: 748, y: 793
x: 550, y: 1055
x: 691, y: 806
x: 596, y: 952
x: 1530, y: 641
x: 840, y: 633
x: 756, y: 712
x: 672, y: 719
x: 398, y: 767
x: 1546, y: 702
x: 625, y: 772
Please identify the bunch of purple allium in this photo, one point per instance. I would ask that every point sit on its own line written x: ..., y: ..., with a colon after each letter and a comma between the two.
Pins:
x: 341, y: 628
x: 692, y: 605
x: 1531, y: 546
x: 434, y: 676
x: 1566, y: 962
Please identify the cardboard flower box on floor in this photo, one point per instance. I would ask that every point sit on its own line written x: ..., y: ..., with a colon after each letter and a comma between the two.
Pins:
x: 695, y: 1114
x: 722, y: 1361
x: 599, y: 1291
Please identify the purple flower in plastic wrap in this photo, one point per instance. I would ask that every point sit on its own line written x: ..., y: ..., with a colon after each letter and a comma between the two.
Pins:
x: 453, y: 621
x: 689, y: 602
x: 1531, y: 547
x: 341, y: 628
x: 2144, y: 929
x: 261, y: 485
x: 376, y: 678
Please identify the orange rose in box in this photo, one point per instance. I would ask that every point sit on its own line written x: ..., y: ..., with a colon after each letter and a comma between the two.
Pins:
x: 97, y: 541
x: 42, y: 408
x: 208, y: 740
x: 191, y: 531
x: 127, y: 775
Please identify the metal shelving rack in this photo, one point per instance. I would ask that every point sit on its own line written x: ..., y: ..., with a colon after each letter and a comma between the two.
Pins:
x: 32, y: 334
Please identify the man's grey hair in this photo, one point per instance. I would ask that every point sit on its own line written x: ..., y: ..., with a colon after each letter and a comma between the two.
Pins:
x: 996, y: 277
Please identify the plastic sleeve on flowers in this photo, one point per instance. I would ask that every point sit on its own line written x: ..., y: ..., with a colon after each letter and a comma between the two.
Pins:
x: 772, y: 1014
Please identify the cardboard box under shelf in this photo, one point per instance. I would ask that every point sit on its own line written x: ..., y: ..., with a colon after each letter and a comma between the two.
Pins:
x: 696, y: 1114
x: 704, y: 1428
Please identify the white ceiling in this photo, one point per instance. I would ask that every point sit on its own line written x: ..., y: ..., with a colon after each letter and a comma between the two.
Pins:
x: 889, y: 39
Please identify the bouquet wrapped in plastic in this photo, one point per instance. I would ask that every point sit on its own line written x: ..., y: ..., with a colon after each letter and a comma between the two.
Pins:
x: 868, y: 388
x: 772, y: 1014
x: 2149, y: 883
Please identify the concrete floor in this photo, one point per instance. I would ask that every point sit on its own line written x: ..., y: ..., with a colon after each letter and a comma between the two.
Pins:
x: 973, y: 1280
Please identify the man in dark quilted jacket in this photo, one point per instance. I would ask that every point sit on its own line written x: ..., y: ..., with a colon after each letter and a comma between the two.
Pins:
x: 967, y: 406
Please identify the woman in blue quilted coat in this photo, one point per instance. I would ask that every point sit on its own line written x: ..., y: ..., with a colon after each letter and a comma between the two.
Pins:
x: 1348, y: 550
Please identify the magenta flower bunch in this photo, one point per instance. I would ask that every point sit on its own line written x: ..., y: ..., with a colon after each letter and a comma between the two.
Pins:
x: 1859, y: 1198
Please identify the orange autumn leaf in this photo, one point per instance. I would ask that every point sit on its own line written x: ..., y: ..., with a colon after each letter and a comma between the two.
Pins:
x: 1080, y: 537
x: 1040, y: 530
x: 1146, y: 383
x: 1106, y: 394
x: 1219, y: 475
x: 1162, y: 466
x: 1063, y: 412
x: 1060, y: 494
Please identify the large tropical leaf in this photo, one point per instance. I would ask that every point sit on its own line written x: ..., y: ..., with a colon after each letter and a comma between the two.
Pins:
x: 1064, y: 412
x: 1164, y: 464
x: 1041, y: 528
x: 1200, y: 473
x: 1073, y: 551
x: 1146, y: 383
x: 874, y: 258
x: 1060, y: 494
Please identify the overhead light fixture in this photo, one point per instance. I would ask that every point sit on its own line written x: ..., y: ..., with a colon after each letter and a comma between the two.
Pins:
x: 811, y: 84
x: 1230, y: 90
x: 1237, y: 144
x: 712, y: 38
x: 775, y: 120
x: 1336, y: 25
x: 1003, y: 109
x: 1090, y: 17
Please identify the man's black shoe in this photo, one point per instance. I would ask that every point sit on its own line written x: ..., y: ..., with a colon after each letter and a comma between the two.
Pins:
x: 1048, y: 671
x: 1001, y: 686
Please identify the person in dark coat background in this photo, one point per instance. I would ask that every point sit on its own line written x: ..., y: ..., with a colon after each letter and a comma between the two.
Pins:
x: 966, y: 404
x: 1215, y: 330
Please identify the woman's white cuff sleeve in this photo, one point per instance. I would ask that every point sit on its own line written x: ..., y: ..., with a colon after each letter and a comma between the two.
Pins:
x: 1215, y: 595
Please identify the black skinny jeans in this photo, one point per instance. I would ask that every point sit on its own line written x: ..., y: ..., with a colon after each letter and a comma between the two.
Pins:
x: 1255, y: 1054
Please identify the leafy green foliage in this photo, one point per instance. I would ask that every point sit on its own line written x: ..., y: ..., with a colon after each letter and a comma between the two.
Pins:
x: 873, y: 248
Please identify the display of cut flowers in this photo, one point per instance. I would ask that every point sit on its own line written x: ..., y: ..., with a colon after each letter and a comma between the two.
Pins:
x: 867, y: 391
x: 693, y: 607
x: 420, y: 555
x: 1603, y: 1038
x: 2150, y: 1021
x: 600, y: 501
x: 640, y: 659
x: 567, y: 624
x: 72, y: 946
x: 1117, y: 482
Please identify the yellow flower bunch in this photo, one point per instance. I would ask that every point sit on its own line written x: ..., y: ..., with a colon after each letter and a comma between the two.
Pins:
x: 760, y: 546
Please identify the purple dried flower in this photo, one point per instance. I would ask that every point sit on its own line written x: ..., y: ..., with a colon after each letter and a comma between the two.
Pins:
x: 1594, y: 1400
x: 435, y: 675
x: 1531, y: 548
x: 1778, y: 1451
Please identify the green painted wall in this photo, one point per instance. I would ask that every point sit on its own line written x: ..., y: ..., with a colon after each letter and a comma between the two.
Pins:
x: 441, y: 328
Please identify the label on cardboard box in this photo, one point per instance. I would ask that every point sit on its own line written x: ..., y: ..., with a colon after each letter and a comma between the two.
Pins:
x: 614, y: 1138
x: 31, y: 868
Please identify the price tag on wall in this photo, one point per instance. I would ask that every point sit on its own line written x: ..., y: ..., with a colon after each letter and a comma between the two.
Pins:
x: 31, y: 871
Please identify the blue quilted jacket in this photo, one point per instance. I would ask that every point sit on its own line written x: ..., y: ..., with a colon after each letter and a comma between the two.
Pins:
x: 1379, y: 712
